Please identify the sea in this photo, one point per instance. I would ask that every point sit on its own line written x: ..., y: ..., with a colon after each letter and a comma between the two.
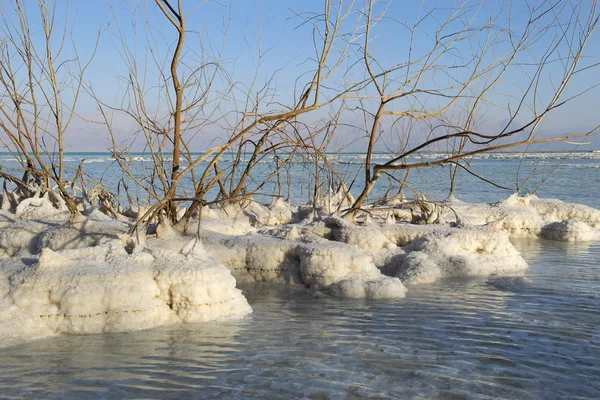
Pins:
x: 454, y: 339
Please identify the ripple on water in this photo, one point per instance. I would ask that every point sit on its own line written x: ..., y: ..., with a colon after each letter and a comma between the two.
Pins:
x: 455, y: 339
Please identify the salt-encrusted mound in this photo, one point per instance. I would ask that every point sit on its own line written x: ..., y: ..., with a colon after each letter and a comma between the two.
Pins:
x: 570, y: 231
x: 20, y: 238
x: 104, y: 289
x: 36, y: 207
x: 509, y: 215
x: 239, y: 219
x: 24, y: 238
x: 368, y: 238
x: 337, y: 268
x: 278, y: 213
x: 459, y: 252
x: 6, y: 218
x: 417, y: 253
x: 553, y: 210
x: 83, y: 232
x: 255, y: 258
x: 531, y: 216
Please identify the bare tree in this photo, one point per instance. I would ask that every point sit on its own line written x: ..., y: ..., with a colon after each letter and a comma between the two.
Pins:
x: 41, y: 76
x: 473, y: 59
x: 432, y: 96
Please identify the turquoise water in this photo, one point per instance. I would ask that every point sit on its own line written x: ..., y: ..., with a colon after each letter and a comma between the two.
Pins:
x: 455, y: 339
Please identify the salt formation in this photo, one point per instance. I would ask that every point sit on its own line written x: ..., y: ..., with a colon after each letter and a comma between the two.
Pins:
x: 87, y: 276
x: 36, y: 207
x: 459, y: 253
x: 337, y: 268
x: 241, y: 218
x: 23, y: 238
x: 278, y: 213
x: 569, y: 231
x: 105, y: 289
x: 531, y: 216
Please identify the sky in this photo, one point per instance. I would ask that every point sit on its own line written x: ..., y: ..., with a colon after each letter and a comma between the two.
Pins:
x: 236, y: 32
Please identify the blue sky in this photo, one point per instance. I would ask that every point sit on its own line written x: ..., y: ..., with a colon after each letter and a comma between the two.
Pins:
x: 273, y: 27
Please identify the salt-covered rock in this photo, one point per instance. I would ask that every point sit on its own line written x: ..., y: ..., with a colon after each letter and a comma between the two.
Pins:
x: 278, y: 213
x: 381, y: 288
x: 36, y: 207
x: 461, y: 252
x: 369, y: 238
x: 254, y: 258
x: 318, y: 264
x: 105, y: 289
x: 530, y: 216
x: 554, y: 210
x: 21, y: 238
x: 569, y: 231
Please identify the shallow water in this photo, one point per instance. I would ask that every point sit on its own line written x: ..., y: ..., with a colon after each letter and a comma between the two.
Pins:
x: 453, y: 339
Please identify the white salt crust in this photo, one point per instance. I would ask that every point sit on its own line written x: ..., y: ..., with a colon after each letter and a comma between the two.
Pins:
x: 76, y: 277
x: 105, y: 289
x: 337, y: 268
x: 458, y: 253
x: 531, y: 216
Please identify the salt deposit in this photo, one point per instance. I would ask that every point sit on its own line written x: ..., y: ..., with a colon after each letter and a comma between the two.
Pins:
x: 87, y: 276
x: 23, y: 238
x: 531, y: 216
x: 37, y: 207
x: 569, y: 231
x: 458, y: 253
x: 318, y: 264
x: 105, y: 289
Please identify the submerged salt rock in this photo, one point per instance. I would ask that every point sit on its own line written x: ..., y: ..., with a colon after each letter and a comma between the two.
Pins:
x: 570, y: 231
x: 104, y: 289
x: 508, y: 282
x: 322, y: 264
x: 460, y: 252
x: 345, y: 271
